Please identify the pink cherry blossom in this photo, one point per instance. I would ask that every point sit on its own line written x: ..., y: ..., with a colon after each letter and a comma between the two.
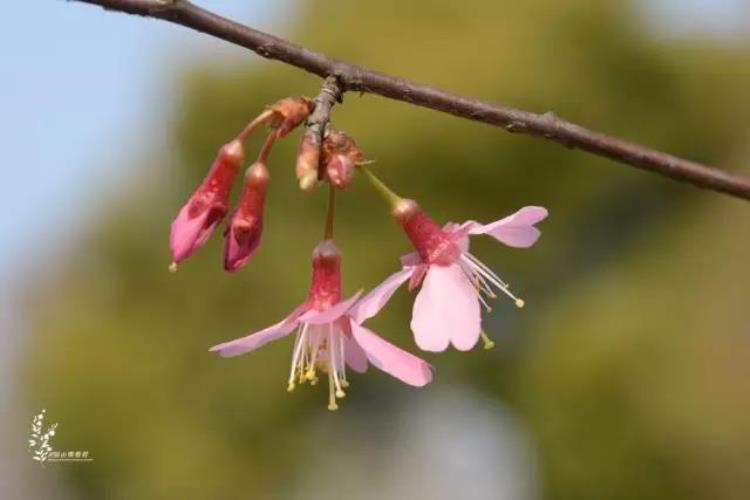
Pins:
x: 454, y: 283
x: 330, y: 337
x: 207, y: 206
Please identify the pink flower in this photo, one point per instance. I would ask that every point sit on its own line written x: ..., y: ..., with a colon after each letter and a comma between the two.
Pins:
x: 330, y: 338
x: 207, y: 205
x: 245, y: 227
x: 454, y: 282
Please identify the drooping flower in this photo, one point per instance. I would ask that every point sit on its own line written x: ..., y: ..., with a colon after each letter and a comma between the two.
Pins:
x: 207, y: 205
x: 454, y: 283
x: 329, y: 338
x: 245, y: 227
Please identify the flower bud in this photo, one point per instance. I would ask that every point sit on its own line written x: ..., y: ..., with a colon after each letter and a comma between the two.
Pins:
x: 308, y: 159
x: 340, y: 170
x: 207, y: 205
x: 339, y: 156
x: 245, y: 227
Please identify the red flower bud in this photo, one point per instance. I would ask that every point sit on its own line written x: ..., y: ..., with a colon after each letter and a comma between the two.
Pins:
x: 207, y: 205
x: 243, y: 233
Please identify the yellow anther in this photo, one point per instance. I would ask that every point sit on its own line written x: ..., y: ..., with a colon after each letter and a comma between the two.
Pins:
x: 488, y: 343
x: 173, y: 267
x: 290, y: 387
x: 310, y: 375
x: 520, y: 303
x: 344, y: 384
x: 314, y: 381
x: 333, y: 406
x: 340, y: 394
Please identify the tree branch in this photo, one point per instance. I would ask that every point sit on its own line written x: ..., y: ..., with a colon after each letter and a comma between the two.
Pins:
x: 330, y: 94
x: 356, y: 78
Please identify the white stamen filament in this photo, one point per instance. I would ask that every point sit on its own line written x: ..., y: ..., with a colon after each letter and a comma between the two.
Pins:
x: 482, y: 277
x: 320, y: 346
x: 333, y: 353
x: 298, y: 360
x: 483, y: 266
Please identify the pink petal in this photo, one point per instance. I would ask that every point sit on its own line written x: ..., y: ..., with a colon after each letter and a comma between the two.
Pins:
x: 331, y: 314
x: 259, y: 339
x: 411, y: 259
x: 373, y: 302
x: 459, y: 233
x: 354, y: 355
x: 417, y: 276
x: 446, y: 311
x: 238, y: 253
x: 185, y: 234
x: 394, y: 361
x: 516, y: 230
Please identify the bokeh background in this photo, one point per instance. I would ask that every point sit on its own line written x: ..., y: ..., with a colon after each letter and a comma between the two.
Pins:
x: 626, y: 376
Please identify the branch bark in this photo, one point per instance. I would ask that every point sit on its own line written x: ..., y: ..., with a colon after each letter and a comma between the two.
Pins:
x: 356, y: 78
x: 330, y: 94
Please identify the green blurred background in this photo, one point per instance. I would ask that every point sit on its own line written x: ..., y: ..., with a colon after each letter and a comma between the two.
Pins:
x: 626, y: 376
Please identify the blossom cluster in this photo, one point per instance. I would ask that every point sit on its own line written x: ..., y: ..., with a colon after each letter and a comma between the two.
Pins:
x: 330, y: 335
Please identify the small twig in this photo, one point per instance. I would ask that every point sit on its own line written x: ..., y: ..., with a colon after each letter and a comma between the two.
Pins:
x: 357, y: 78
x: 330, y: 94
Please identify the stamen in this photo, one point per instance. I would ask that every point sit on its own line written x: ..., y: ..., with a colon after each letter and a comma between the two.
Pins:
x: 173, y: 267
x: 296, y: 357
x: 484, y: 267
x: 342, y: 358
x: 480, y: 272
x: 334, y: 371
x: 331, y: 395
x: 484, y: 303
x: 488, y: 343
x: 310, y: 374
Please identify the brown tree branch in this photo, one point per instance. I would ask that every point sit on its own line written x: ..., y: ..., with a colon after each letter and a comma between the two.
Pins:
x: 356, y: 78
x: 330, y: 94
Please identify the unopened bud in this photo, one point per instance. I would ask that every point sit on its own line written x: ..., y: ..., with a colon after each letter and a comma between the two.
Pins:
x: 245, y: 227
x: 207, y: 205
x: 339, y: 156
x: 308, y: 160
x: 340, y: 170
